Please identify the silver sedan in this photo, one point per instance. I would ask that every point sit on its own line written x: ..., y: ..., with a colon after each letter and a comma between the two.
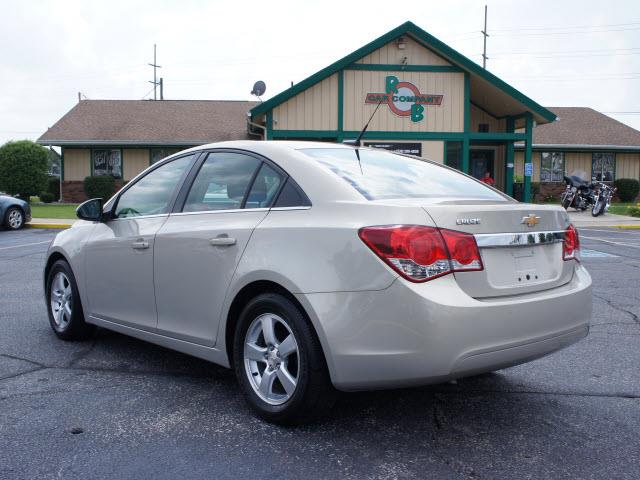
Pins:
x: 313, y: 267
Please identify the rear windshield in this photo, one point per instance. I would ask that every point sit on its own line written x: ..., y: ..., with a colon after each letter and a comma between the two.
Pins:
x: 379, y: 174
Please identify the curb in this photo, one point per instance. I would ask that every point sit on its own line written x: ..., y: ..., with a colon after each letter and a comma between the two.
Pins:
x: 633, y: 227
x: 48, y: 225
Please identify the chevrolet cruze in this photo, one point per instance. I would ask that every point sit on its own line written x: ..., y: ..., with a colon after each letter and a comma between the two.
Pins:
x: 314, y: 267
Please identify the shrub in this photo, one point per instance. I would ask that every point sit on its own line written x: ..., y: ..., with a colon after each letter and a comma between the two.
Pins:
x: 99, y: 187
x: 53, y: 187
x: 23, y: 168
x: 46, y: 197
x: 634, y: 211
x: 628, y: 189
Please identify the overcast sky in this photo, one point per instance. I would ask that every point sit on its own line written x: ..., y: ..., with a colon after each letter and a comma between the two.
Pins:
x: 560, y: 53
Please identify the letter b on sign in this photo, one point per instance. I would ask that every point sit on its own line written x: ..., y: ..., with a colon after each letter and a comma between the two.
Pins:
x: 417, y: 112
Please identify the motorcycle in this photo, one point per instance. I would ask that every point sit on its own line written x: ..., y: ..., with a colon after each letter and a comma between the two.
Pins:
x: 578, y: 194
x: 602, y: 194
x: 582, y: 195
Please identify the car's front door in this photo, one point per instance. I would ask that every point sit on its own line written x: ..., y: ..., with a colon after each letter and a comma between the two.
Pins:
x: 119, y: 254
x: 198, y: 248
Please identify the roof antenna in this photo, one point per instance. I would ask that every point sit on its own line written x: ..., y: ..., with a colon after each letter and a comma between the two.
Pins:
x: 357, y: 142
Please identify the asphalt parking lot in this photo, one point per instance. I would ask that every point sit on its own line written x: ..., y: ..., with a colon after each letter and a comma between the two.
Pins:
x: 118, y: 407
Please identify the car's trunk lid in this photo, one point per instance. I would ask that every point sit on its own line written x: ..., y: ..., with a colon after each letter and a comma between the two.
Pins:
x: 519, y: 250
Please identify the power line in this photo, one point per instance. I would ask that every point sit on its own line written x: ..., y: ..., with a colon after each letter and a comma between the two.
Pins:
x: 539, y: 34
x: 564, y: 27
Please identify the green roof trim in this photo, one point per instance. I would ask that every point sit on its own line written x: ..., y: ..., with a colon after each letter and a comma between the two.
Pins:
x: 428, y: 41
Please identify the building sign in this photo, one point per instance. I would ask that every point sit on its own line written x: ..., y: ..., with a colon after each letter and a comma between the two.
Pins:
x: 406, y: 148
x: 528, y: 169
x: 404, y: 99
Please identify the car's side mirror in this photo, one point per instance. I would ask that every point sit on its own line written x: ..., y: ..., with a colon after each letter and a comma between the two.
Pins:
x: 90, y: 210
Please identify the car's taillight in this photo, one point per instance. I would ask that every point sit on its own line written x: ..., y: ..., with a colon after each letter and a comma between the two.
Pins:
x: 420, y: 253
x: 571, y: 244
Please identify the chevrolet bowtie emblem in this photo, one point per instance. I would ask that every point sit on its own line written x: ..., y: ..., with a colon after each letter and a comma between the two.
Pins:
x: 531, y: 220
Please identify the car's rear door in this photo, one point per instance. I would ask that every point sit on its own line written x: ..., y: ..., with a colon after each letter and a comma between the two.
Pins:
x: 119, y: 254
x: 198, y: 247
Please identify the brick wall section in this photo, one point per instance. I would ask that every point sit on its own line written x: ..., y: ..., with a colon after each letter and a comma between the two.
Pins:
x: 554, y: 189
x: 73, y: 191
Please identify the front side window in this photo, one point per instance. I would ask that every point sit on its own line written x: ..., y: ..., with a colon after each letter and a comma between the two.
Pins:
x: 603, y: 166
x: 222, y: 182
x: 378, y: 175
x: 107, y: 162
x: 552, y: 167
x: 152, y: 193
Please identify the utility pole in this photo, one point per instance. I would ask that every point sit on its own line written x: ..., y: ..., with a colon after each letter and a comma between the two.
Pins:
x: 161, y: 89
x: 155, y: 77
x: 485, y: 34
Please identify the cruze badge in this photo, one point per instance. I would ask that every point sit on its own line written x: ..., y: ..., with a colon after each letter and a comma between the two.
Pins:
x: 530, y: 220
x: 467, y: 221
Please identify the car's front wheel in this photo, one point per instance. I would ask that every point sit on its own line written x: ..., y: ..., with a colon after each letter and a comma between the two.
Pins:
x: 14, y: 218
x: 64, y: 307
x: 279, y: 361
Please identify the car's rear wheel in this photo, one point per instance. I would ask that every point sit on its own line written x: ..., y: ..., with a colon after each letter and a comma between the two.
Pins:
x: 14, y: 218
x: 64, y: 307
x: 279, y: 361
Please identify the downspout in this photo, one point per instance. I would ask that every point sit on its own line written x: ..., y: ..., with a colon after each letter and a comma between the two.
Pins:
x: 256, y: 125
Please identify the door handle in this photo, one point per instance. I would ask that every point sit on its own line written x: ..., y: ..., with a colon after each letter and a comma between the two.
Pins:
x: 222, y: 241
x: 140, y: 244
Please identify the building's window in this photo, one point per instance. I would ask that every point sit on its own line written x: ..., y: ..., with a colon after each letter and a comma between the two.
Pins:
x: 552, y: 167
x: 483, y: 127
x: 603, y: 166
x: 453, y: 158
x: 160, y: 153
x: 107, y: 162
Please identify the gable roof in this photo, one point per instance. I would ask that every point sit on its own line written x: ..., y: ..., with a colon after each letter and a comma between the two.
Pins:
x: 582, y: 126
x: 482, y: 77
x: 148, y: 122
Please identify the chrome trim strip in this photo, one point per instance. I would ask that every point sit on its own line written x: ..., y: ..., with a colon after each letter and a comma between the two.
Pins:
x: 231, y: 210
x: 524, y: 239
x: 282, y: 209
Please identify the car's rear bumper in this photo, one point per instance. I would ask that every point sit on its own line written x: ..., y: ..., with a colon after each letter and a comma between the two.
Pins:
x: 413, y: 334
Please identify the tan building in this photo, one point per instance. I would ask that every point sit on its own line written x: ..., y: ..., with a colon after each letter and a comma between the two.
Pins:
x: 428, y: 99
x: 123, y: 137
x: 581, y: 141
x: 431, y: 100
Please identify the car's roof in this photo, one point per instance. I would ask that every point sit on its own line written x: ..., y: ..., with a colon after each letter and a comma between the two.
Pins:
x: 259, y: 146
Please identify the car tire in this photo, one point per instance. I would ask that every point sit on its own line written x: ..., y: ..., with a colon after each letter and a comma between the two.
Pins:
x: 281, y: 369
x: 63, y: 304
x: 14, y: 218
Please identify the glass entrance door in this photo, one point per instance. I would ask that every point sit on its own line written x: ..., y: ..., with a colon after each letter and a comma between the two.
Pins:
x: 482, y: 161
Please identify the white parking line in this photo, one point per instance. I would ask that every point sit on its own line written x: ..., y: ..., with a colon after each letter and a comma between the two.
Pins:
x: 616, y: 230
x: 24, y: 245
x: 611, y: 242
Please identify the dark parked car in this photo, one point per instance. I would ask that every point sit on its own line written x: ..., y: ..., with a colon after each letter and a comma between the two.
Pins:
x: 14, y: 213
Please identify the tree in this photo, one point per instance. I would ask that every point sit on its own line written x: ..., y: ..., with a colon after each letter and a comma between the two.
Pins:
x: 23, y: 168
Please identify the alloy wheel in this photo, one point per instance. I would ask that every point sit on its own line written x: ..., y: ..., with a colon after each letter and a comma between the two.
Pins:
x: 15, y: 219
x: 271, y: 358
x: 61, y: 300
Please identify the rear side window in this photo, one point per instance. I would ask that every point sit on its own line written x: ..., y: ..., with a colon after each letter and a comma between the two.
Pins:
x: 292, y: 196
x: 222, y: 182
x: 378, y: 175
x: 264, y: 188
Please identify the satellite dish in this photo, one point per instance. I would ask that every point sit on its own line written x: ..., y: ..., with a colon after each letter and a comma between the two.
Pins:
x: 258, y: 88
